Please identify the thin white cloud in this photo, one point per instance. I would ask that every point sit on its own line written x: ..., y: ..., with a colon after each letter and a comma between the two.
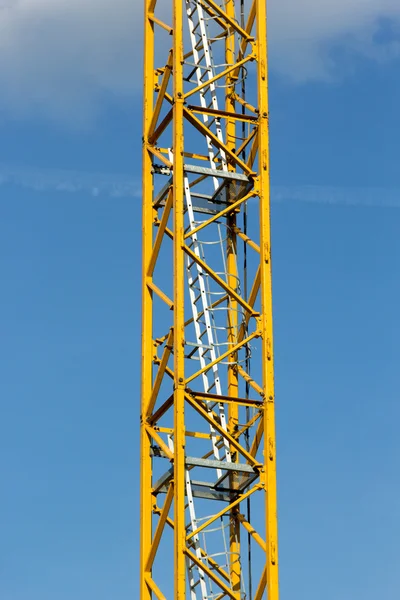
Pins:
x: 303, y: 34
x: 61, y: 59
x: 351, y: 196
x: 115, y: 186
x: 70, y: 182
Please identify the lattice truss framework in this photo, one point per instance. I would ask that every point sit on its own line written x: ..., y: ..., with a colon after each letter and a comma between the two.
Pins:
x: 207, y: 424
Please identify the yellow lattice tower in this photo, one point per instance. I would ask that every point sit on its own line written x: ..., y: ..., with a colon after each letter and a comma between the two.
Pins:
x: 208, y: 459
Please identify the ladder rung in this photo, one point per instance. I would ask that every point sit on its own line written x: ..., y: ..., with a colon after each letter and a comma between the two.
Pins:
x: 203, y: 75
x: 195, y: 345
x: 199, y: 47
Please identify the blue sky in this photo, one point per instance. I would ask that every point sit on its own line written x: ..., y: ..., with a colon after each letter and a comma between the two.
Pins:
x: 70, y: 329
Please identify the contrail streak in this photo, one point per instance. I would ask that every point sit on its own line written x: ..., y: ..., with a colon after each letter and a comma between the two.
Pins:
x: 353, y: 196
x: 55, y: 180
x: 111, y: 185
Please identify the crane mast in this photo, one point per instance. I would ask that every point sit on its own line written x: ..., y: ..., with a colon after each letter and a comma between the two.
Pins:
x: 208, y: 452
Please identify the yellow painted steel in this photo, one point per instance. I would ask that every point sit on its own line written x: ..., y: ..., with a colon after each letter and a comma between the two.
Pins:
x: 266, y: 308
x: 176, y: 130
x: 147, y: 315
x: 232, y: 278
x: 179, y: 315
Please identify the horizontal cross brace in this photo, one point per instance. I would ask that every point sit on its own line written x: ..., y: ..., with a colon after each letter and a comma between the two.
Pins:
x: 218, y: 464
x: 226, y: 399
x: 215, y: 172
x: 222, y: 113
x: 200, y: 489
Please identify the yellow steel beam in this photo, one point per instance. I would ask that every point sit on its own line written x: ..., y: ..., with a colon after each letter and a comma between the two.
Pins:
x: 261, y: 585
x: 232, y: 441
x: 179, y: 312
x: 161, y: 24
x: 227, y: 590
x: 151, y: 285
x: 213, y: 305
x: 160, y: 528
x: 221, y: 75
x: 222, y: 512
x: 255, y: 288
x: 257, y: 438
x: 225, y: 211
x: 241, y: 101
x: 155, y: 417
x: 232, y: 279
x: 247, y: 141
x: 214, y: 565
x: 166, y: 114
x: 161, y: 127
x: 222, y: 357
x: 160, y: 234
x: 249, y: 380
x: 160, y: 373
x: 197, y: 124
x: 253, y: 151
x: 214, y: 16
x: 247, y: 425
x: 231, y: 292
x: 246, y: 239
x: 147, y: 312
x: 228, y: 17
x: 149, y: 11
x: 158, y: 439
x: 153, y: 587
x: 250, y: 529
x: 159, y: 155
x: 222, y: 114
x: 249, y: 26
x: 194, y: 434
x: 266, y: 307
x: 207, y: 397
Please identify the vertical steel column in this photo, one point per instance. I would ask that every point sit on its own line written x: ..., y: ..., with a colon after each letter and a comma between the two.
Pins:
x: 266, y: 308
x: 179, y: 302
x: 233, y: 318
x: 147, y: 303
